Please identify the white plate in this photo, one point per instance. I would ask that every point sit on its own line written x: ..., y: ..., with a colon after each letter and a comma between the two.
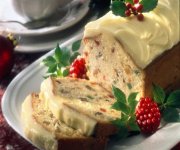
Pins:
x: 29, y: 80
x: 60, y: 21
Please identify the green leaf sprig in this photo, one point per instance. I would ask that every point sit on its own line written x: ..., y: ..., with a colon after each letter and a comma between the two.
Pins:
x: 120, y: 8
x: 169, y: 104
x: 127, y: 122
x: 58, y: 64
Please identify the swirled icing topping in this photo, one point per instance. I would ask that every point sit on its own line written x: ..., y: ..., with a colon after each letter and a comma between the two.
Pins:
x: 144, y: 41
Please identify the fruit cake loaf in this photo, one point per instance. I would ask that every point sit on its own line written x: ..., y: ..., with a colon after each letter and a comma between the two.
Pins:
x: 81, y: 104
x: 48, y: 133
x: 133, y: 54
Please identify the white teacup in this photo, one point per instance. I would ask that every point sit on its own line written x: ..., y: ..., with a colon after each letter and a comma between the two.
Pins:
x: 37, y: 9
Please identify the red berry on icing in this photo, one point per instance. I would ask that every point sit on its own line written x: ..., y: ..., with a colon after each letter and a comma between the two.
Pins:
x: 139, y: 7
x: 78, y: 68
x: 135, y: 1
x: 147, y: 115
x: 128, y: 5
x: 140, y: 17
x: 6, y: 55
x: 136, y: 9
x: 127, y: 13
x: 133, y: 9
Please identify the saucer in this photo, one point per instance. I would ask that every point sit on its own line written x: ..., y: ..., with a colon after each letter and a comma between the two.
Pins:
x: 61, y: 20
x: 33, y: 46
x: 46, y: 42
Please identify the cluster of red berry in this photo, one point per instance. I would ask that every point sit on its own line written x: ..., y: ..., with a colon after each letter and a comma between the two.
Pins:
x: 78, y: 68
x: 136, y: 9
x: 148, y: 115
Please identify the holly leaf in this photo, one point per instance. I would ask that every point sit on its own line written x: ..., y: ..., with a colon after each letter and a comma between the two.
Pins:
x: 121, y: 107
x: 58, y: 53
x: 65, y: 72
x: 122, y: 129
x: 60, y: 65
x: 118, y: 8
x: 76, y: 45
x: 171, y: 115
x: 124, y: 117
x: 52, y: 68
x: 66, y: 57
x: 173, y: 99
x: 49, y: 61
x: 123, y: 132
x: 158, y: 94
x: 133, y: 125
x: 119, y: 95
x: 132, y: 102
x: 148, y: 5
x: 132, y: 97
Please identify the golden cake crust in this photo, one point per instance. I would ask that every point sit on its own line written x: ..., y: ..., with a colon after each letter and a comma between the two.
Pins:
x: 164, y: 71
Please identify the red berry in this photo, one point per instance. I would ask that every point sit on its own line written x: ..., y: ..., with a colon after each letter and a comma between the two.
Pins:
x: 139, y: 7
x: 78, y: 68
x: 6, y: 55
x: 147, y: 115
x: 133, y: 9
x: 128, y: 5
x: 140, y: 17
x: 135, y: 1
x: 127, y: 13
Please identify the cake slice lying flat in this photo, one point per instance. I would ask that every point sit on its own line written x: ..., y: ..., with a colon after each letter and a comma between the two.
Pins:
x: 81, y: 104
x: 46, y: 132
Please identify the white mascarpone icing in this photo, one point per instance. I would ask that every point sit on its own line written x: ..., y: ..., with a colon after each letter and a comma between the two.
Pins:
x: 143, y: 40
x: 72, y: 118
x: 34, y: 131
